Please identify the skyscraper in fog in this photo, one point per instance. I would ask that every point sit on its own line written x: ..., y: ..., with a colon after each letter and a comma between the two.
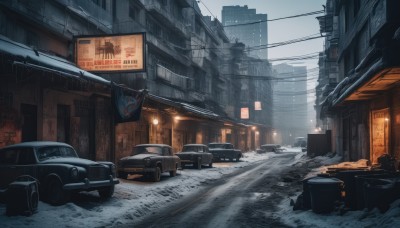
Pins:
x: 254, y: 34
x: 290, y: 108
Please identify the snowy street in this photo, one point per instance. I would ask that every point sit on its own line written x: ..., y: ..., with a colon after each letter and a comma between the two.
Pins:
x: 254, y: 192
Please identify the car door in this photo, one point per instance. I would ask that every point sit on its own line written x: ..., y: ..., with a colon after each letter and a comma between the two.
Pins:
x: 27, y: 164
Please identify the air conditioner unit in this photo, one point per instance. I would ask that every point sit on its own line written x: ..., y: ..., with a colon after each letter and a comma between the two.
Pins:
x: 22, y: 198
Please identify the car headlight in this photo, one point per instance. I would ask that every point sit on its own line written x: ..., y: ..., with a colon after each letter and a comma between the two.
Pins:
x: 147, y: 161
x: 74, y: 172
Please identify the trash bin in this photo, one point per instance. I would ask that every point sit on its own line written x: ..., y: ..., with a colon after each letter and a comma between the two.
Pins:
x: 306, y: 193
x: 378, y: 193
x: 324, y: 193
x: 22, y: 197
x: 361, y: 180
x: 349, y: 179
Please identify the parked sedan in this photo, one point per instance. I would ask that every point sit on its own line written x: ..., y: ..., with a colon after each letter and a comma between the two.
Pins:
x: 58, y: 170
x: 150, y: 160
x: 224, y: 151
x: 196, y: 154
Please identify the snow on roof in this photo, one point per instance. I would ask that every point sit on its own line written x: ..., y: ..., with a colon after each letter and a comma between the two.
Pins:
x: 32, y: 57
x: 198, y: 110
x: 37, y: 144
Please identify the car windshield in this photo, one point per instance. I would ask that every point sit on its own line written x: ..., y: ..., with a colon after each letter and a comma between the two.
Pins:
x: 192, y: 148
x: 220, y: 146
x: 45, y: 153
x: 147, y: 150
x: 216, y: 146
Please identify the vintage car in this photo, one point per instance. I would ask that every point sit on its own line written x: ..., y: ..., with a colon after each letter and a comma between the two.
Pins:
x: 269, y: 148
x: 196, y: 154
x: 149, y: 160
x: 57, y: 168
x: 224, y: 151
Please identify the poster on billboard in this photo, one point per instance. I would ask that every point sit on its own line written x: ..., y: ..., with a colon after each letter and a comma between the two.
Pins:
x: 113, y: 53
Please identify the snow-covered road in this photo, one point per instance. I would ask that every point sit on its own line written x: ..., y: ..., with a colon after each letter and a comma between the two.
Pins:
x: 135, y: 200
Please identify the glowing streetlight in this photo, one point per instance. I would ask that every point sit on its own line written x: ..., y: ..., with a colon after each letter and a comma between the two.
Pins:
x: 155, y: 121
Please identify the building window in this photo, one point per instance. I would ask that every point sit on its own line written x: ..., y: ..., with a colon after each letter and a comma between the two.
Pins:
x: 134, y: 12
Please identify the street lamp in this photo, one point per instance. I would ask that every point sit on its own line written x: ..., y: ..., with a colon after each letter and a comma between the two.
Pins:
x: 155, y: 121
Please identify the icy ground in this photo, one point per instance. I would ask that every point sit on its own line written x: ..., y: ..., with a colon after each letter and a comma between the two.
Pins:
x: 135, y: 199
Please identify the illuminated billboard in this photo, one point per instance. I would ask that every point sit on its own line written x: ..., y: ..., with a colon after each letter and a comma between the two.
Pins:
x: 244, y: 113
x: 113, y: 53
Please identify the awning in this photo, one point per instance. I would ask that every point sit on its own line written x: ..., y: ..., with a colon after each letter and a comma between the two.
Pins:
x: 29, y: 57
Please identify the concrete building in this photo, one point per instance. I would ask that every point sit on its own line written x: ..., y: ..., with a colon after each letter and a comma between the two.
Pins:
x: 254, y: 32
x: 363, y: 104
x: 189, y: 92
x: 290, y: 110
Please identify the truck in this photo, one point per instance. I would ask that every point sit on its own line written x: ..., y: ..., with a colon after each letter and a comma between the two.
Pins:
x: 224, y: 151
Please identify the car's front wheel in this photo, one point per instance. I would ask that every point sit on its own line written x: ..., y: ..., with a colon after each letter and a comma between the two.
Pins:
x: 238, y: 158
x: 106, y: 192
x: 55, y: 194
x: 172, y: 173
x: 197, y: 165
x: 157, y: 175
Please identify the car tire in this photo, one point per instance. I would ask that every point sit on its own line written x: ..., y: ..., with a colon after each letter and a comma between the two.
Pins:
x: 172, y: 173
x: 123, y: 175
x: 238, y: 158
x: 210, y: 165
x: 107, y: 192
x: 156, y: 175
x: 55, y: 194
x: 198, y: 164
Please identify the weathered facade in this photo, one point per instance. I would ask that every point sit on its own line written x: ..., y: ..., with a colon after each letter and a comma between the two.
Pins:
x: 363, y: 104
x: 45, y: 97
x: 191, y: 98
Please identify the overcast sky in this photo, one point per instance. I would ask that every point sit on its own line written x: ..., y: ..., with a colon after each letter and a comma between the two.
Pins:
x: 282, y: 30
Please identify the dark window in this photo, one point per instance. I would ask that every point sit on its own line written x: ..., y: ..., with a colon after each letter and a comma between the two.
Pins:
x: 134, y: 12
x: 26, y: 157
x: 29, y: 123
x: 8, y: 156
x: 166, y: 151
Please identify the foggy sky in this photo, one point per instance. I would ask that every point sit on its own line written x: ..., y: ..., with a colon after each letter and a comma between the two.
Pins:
x: 282, y: 30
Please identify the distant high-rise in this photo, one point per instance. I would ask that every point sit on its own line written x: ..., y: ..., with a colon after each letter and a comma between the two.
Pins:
x: 290, y: 107
x: 254, y: 35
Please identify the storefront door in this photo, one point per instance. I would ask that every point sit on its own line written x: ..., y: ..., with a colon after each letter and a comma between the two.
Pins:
x: 379, y: 134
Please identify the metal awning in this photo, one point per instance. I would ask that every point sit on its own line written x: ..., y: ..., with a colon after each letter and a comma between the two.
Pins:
x: 29, y: 57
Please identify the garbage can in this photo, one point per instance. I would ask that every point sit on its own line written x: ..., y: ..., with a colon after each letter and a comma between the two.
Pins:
x: 306, y: 193
x: 22, y: 198
x: 378, y: 193
x: 361, y: 180
x: 324, y: 193
x: 348, y: 178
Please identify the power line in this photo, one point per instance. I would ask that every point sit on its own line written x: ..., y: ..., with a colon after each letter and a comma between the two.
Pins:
x: 276, y: 19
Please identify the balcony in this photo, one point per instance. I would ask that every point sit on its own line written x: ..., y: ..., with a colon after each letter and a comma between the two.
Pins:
x: 91, y: 12
x: 165, y: 48
x: 172, y: 78
x: 165, y: 16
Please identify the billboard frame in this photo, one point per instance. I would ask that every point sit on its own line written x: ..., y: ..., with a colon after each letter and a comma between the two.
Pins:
x: 144, y: 67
